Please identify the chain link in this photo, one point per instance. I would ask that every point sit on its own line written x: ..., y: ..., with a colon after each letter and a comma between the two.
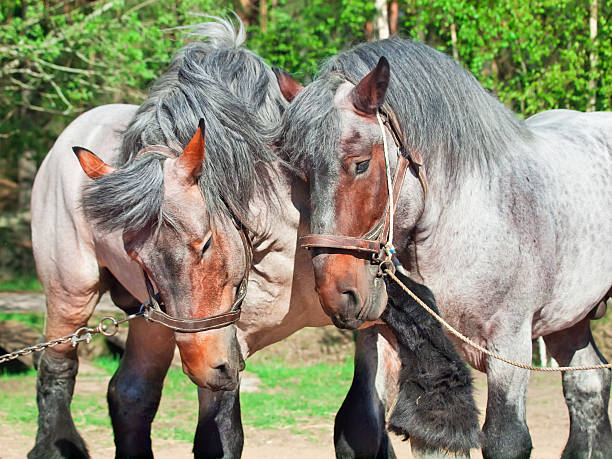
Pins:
x: 108, y: 326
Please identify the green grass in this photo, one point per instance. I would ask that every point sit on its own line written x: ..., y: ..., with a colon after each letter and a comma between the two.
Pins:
x: 34, y: 320
x: 26, y: 283
x: 289, y: 396
x: 294, y: 397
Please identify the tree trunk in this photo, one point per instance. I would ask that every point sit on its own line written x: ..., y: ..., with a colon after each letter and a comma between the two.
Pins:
x: 381, y: 19
x: 453, y: 33
x: 542, y: 352
x: 369, y: 31
x: 247, y: 11
x: 263, y: 15
x: 592, y: 104
x: 26, y: 170
x: 393, y: 16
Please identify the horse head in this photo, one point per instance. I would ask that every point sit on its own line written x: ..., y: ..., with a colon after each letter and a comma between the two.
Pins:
x: 198, y: 263
x: 346, y: 169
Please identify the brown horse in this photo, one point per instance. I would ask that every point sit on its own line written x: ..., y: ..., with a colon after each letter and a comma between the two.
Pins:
x: 506, y: 221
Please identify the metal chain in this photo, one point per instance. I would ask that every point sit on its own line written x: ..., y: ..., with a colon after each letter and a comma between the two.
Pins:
x: 108, y: 326
x: 484, y: 350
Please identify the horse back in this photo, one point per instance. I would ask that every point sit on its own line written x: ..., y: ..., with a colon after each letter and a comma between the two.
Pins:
x: 63, y: 242
x: 574, y: 153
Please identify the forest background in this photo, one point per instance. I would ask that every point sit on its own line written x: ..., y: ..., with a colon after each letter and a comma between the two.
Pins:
x: 61, y: 58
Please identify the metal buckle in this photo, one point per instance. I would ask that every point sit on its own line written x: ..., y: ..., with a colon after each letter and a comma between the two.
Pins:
x: 384, y: 260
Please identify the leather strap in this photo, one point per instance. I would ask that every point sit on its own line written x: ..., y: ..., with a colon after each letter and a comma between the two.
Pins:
x: 369, y: 242
x: 340, y: 242
x: 183, y: 325
x: 154, y: 312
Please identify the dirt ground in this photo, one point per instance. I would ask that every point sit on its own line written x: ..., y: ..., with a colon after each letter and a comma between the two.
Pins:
x: 547, y: 418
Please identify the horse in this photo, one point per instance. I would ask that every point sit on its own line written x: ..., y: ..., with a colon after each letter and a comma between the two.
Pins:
x: 505, y: 220
x: 156, y: 194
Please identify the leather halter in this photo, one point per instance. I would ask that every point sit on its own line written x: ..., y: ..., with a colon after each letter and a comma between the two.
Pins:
x: 374, y: 242
x: 154, y: 309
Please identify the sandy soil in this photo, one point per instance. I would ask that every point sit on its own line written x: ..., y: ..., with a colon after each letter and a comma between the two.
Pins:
x: 546, y: 415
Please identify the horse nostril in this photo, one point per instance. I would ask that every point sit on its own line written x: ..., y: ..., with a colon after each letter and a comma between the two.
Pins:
x: 222, y: 367
x: 352, y: 298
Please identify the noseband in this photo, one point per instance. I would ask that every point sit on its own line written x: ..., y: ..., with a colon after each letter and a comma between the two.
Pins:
x: 154, y: 310
x: 378, y: 241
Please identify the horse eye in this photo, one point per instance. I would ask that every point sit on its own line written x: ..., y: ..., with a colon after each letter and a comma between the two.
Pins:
x: 206, y: 245
x: 362, y: 167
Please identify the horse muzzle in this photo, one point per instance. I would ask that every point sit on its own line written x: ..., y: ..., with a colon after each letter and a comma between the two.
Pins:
x: 211, y: 359
x: 349, y: 291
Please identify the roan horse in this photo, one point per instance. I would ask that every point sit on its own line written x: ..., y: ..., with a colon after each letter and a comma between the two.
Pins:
x: 179, y: 218
x: 507, y: 221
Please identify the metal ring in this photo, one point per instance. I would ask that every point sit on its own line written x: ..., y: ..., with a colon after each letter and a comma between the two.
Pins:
x: 103, y: 328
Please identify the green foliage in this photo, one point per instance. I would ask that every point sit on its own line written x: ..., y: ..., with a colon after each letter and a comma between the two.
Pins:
x: 35, y: 320
x: 301, y: 35
x: 58, y: 59
x: 534, y: 55
x: 25, y: 283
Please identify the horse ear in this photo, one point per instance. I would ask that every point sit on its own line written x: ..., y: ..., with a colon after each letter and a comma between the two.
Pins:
x: 369, y: 94
x: 288, y: 86
x: 93, y: 166
x: 191, y: 159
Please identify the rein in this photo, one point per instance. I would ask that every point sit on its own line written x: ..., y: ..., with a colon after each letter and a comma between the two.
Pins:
x: 154, y: 309
x: 378, y: 241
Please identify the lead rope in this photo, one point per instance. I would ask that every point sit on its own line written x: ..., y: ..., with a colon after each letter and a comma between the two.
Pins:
x: 390, y: 250
x: 477, y: 346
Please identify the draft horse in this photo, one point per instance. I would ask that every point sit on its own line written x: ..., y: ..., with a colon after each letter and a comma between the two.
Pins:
x: 507, y: 221
x: 158, y: 202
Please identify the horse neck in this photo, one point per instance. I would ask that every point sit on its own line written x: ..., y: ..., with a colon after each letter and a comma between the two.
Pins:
x: 276, y: 227
x: 281, y: 283
x: 421, y: 216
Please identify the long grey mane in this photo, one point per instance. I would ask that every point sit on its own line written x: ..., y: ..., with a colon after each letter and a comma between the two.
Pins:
x: 236, y: 93
x: 443, y: 111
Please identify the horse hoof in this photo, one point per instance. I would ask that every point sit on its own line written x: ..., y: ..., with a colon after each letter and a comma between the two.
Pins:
x: 60, y: 449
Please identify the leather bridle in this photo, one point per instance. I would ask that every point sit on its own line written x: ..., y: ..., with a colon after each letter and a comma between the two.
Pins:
x: 375, y: 242
x: 154, y: 309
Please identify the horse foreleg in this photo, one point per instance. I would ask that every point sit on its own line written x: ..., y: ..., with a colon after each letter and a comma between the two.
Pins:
x: 360, y: 427
x: 587, y: 393
x: 135, y: 389
x: 505, y: 428
x: 219, y: 433
x: 57, y: 436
